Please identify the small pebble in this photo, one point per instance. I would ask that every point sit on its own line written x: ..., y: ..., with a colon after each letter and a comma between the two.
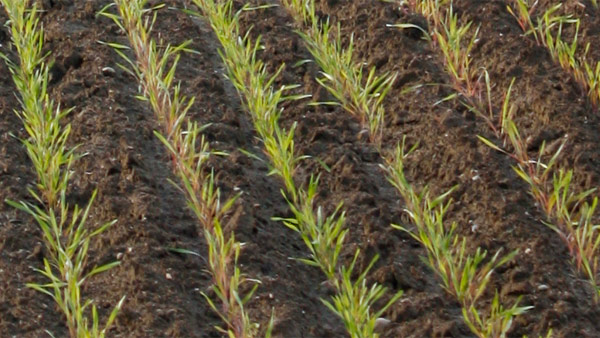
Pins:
x: 108, y: 71
x: 168, y: 276
x: 543, y: 287
x: 381, y: 323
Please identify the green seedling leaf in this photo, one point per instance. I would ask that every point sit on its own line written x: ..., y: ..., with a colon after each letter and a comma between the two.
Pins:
x: 323, y: 164
x: 325, y: 103
x: 301, y: 63
x: 99, y: 269
x: 185, y: 251
x: 426, y: 34
x: 447, y: 98
x: 490, y: 144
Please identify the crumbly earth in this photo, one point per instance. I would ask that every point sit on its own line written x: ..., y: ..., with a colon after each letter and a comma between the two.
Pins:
x: 131, y: 171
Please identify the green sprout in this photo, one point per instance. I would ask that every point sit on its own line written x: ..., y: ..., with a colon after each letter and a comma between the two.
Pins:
x: 568, y: 213
x: 455, y: 41
x: 65, y: 231
x: 459, y: 272
x: 323, y: 235
x: 548, y: 33
x: 465, y: 277
x: 154, y: 68
x: 450, y: 38
x: 359, y: 92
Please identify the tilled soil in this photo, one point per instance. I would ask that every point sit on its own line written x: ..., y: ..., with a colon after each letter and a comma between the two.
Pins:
x: 131, y: 171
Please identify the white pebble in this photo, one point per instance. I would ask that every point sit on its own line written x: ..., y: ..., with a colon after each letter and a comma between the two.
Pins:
x: 381, y: 323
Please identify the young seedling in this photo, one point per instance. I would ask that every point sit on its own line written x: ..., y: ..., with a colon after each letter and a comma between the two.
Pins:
x: 484, y: 109
x: 524, y: 10
x: 154, y: 67
x: 359, y: 92
x: 465, y: 277
x: 559, y: 202
x: 455, y: 41
x: 439, y: 242
x: 567, y: 213
x: 555, y: 197
x: 590, y: 78
x: 323, y: 235
x: 65, y: 230
x: 432, y: 10
x: 549, y: 33
x: 450, y: 38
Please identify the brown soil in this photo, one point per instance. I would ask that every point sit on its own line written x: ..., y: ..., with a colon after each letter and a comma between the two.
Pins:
x: 130, y: 169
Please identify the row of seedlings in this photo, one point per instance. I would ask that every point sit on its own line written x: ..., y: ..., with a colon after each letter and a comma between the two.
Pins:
x: 463, y: 276
x: 154, y: 67
x: 339, y: 74
x: 65, y: 229
x: 453, y: 39
x: 324, y: 235
x: 568, y: 212
x: 547, y: 30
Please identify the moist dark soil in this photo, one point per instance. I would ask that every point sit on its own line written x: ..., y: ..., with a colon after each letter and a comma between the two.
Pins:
x: 131, y: 171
